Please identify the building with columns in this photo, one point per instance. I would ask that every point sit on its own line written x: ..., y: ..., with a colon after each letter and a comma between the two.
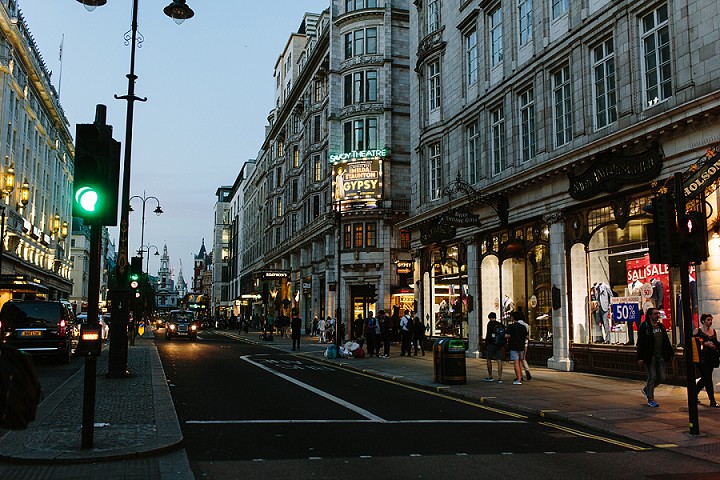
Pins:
x: 331, y: 180
x: 539, y: 132
x: 37, y: 167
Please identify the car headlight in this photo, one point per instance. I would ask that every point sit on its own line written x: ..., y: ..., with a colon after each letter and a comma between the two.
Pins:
x: 172, y: 327
x: 193, y: 327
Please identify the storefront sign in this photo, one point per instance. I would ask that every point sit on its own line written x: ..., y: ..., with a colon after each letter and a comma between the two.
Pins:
x: 359, y: 155
x: 610, y: 171
x: 274, y: 273
x: 625, y: 309
x: 357, y: 180
x: 403, y: 268
x: 436, y: 233
x: 460, y: 218
x: 704, y: 176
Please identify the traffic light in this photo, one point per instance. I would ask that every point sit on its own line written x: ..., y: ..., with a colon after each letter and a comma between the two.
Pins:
x: 663, y: 235
x: 372, y: 294
x: 693, y: 246
x: 135, y: 275
x: 97, y: 174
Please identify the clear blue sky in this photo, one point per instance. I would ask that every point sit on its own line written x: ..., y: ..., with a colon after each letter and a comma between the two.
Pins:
x: 209, y: 86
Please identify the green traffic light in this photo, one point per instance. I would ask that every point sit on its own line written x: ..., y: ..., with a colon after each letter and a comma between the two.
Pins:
x: 87, y: 198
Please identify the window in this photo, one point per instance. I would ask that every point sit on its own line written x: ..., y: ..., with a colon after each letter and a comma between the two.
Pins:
x: 562, y: 106
x: 604, y: 94
x: 433, y: 17
x: 357, y: 235
x: 434, y: 85
x: 559, y: 8
x: 370, y: 235
x: 496, y: 53
x: 435, y: 171
x: 404, y: 239
x: 361, y: 42
x: 473, y: 152
x: 316, y: 206
x: 525, y: 20
x: 277, y: 236
x: 657, y: 73
x: 278, y: 207
x: 319, y: 91
x: 526, y: 103
x: 347, y: 236
x: 499, y: 160
x: 293, y: 223
x: 280, y: 148
x: 360, y: 87
x: 317, y: 168
x: 295, y: 190
x: 351, y: 5
x: 471, y: 58
x: 360, y: 134
x: 316, y: 129
x: 296, y: 156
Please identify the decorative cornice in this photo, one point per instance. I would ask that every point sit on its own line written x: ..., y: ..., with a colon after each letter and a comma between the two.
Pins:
x: 430, y: 45
x: 361, y: 60
x: 361, y: 108
x: 554, y: 217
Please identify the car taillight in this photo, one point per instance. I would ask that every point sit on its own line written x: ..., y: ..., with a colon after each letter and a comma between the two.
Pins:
x: 62, y: 328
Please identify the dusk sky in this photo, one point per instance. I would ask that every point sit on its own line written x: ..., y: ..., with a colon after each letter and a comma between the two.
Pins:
x: 209, y: 85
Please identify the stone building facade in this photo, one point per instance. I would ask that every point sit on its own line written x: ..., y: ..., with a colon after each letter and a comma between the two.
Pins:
x: 540, y: 131
x: 333, y: 170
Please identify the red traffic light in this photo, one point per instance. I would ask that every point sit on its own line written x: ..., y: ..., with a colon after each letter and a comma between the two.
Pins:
x: 134, y: 284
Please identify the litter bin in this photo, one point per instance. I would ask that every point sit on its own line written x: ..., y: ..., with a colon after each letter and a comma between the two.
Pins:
x: 449, y: 365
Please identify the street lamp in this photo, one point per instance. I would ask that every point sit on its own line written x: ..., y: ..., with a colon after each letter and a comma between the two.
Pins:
x: 117, y: 358
x: 158, y: 211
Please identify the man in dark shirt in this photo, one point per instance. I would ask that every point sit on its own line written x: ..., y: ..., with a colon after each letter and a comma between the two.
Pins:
x: 516, y: 334
x: 653, y: 350
x: 495, y: 347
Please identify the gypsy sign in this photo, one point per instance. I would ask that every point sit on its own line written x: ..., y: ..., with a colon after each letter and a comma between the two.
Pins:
x: 357, y: 180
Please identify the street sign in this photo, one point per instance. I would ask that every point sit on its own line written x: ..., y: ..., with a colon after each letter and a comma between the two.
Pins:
x: 625, y: 309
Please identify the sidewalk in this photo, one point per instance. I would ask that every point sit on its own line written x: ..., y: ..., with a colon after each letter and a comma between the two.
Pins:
x: 134, y: 417
x: 610, y: 405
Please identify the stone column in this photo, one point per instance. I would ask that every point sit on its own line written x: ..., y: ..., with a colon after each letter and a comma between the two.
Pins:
x: 558, y: 279
x: 473, y: 279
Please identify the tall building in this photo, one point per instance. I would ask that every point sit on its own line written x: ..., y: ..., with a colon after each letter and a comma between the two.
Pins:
x: 220, y: 301
x: 167, y: 294
x: 37, y: 165
x: 540, y: 131
x: 332, y: 177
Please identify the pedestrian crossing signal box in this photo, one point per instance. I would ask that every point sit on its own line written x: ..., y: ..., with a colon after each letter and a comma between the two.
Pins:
x: 90, y: 343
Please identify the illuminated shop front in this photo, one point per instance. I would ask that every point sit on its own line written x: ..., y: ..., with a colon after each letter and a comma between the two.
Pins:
x: 515, y: 277
x: 445, y: 274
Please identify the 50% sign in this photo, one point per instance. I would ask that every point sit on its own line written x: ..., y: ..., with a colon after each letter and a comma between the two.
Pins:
x: 625, y: 309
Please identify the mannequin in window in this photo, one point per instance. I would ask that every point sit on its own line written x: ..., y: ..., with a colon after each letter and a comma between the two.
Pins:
x: 603, y: 292
x: 508, y: 306
x: 658, y: 295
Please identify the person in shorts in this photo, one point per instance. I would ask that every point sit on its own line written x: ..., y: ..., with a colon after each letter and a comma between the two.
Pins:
x: 494, y: 351
x: 516, y: 334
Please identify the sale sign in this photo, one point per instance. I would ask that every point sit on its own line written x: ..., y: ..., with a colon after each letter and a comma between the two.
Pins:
x: 625, y: 309
x: 642, y: 271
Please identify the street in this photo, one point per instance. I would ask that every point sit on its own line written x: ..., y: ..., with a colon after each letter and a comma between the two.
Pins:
x: 254, y: 411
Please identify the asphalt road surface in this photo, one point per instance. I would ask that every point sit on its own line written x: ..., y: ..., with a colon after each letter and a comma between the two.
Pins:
x: 252, y: 411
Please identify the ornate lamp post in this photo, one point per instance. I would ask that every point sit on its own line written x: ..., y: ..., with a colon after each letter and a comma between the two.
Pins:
x: 117, y: 360
x: 158, y: 211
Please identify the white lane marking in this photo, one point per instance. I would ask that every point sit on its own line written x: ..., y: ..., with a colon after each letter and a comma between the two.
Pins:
x: 441, y: 421
x: 317, y: 391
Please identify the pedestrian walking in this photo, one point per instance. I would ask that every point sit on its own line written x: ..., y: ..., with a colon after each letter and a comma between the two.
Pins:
x: 418, y: 335
x: 405, y: 333
x: 372, y: 335
x: 315, y: 326
x: 653, y: 350
x: 495, y: 346
x: 516, y: 334
x: 321, y: 331
x: 330, y: 329
x: 709, y: 358
x: 295, y: 326
x: 385, y: 331
x: 521, y: 319
x: 358, y: 327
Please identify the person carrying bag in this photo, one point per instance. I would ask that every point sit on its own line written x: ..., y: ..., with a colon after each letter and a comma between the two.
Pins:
x: 705, y: 338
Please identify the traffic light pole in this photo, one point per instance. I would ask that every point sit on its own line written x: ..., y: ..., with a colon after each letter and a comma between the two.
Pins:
x: 120, y: 295
x: 694, y: 420
x: 88, y: 417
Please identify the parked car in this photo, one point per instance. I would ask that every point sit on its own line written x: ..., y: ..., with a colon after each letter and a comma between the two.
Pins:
x: 181, y: 323
x: 40, y: 327
x: 104, y: 327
